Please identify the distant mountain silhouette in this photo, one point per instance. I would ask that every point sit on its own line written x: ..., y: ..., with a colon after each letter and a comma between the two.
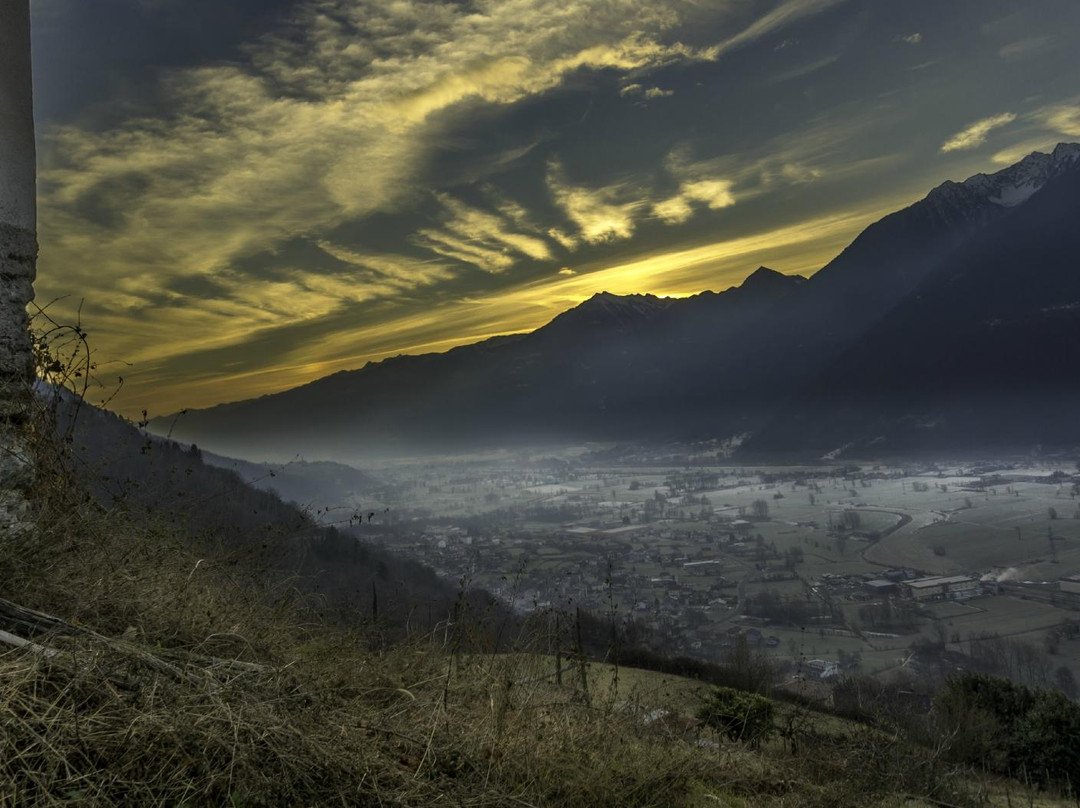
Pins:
x: 863, y: 352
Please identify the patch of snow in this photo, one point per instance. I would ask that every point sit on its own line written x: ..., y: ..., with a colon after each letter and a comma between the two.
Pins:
x: 1010, y: 197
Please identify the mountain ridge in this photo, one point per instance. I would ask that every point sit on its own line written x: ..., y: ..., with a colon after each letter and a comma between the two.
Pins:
x: 619, y: 367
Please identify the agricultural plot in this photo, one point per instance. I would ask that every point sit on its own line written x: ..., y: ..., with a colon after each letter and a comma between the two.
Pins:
x: 1006, y: 616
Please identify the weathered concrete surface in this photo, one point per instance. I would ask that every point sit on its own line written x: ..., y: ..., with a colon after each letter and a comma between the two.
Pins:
x: 18, y: 253
x: 18, y: 250
x: 17, y: 155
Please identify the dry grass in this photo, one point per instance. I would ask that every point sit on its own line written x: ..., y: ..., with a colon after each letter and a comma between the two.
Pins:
x: 256, y: 705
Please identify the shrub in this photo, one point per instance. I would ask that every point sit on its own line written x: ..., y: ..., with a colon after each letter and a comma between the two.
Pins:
x: 1032, y: 731
x: 738, y: 715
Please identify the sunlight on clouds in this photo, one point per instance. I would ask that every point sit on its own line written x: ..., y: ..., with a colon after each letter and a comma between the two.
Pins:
x: 237, y: 167
x: 646, y: 92
x: 335, y: 117
x: 610, y: 213
x: 976, y: 133
x: 1013, y: 154
x: 445, y: 244
x: 492, y: 231
x: 715, y: 194
x: 599, y: 214
x: 1064, y: 120
x: 1053, y: 121
x: 404, y: 272
x: 674, y: 210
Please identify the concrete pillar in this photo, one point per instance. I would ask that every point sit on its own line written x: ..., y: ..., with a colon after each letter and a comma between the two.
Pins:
x: 18, y: 253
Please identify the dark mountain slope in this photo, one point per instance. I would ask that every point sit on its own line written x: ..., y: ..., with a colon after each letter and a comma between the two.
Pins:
x: 979, y: 356
x: 606, y: 368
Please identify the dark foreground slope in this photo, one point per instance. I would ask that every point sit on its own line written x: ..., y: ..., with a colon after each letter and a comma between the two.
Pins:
x: 744, y: 360
x: 215, y: 510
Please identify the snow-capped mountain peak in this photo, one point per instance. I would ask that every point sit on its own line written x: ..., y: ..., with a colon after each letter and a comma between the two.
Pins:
x: 1016, y: 184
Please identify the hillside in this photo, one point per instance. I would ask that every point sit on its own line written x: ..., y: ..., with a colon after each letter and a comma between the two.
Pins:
x: 328, y: 490
x: 152, y: 668
x: 210, y: 509
x: 884, y: 312
x: 211, y: 694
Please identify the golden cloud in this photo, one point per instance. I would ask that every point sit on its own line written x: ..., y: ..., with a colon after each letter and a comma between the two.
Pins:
x: 328, y: 121
x: 976, y: 133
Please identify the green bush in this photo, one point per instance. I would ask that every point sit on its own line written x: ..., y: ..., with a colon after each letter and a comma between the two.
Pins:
x: 1024, y: 732
x: 739, y: 715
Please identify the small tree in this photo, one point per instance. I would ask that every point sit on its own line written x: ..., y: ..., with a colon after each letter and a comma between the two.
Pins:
x: 760, y: 508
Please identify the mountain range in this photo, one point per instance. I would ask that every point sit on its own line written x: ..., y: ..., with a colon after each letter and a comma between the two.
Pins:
x: 943, y: 326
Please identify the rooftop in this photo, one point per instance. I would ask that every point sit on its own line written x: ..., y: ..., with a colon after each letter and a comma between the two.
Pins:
x: 937, y: 580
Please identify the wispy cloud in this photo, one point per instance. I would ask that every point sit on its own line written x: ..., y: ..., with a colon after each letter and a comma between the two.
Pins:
x: 658, y: 92
x: 599, y: 214
x: 713, y: 194
x: 975, y: 134
x: 910, y: 39
x: 487, y: 240
x: 1064, y: 119
x: 646, y: 92
x: 1028, y: 46
x: 806, y: 69
x: 782, y: 16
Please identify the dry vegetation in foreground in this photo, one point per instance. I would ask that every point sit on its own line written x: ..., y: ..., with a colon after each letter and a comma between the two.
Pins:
x: 180, y: 679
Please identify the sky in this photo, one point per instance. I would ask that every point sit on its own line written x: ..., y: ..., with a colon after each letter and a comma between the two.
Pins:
x: 238, y: 198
